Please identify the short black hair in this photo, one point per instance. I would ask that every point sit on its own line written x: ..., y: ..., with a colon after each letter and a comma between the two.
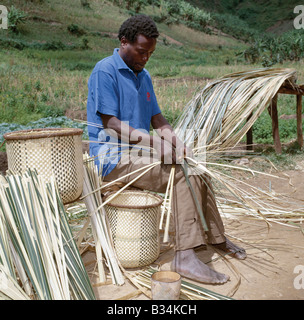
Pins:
x: 138, y: 24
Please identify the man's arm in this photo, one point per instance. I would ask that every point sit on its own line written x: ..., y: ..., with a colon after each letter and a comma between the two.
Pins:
x: 130, y: 135
x: 125, y: 132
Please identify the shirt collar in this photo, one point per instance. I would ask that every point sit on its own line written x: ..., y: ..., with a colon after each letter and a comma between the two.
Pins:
x: 119, y: 61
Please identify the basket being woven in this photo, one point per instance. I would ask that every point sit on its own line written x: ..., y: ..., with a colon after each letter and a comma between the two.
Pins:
x: 51, y: 151
x: 134, y: 223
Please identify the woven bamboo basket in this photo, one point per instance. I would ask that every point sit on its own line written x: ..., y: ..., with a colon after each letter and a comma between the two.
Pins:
x: 50, y: 151
x: 134, y: 223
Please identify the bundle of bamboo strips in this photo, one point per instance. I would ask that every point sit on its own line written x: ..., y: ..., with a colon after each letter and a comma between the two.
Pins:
x: 38, y: 256
x: 166, y: 208
x: 245, y: 198
x: 100, y: 225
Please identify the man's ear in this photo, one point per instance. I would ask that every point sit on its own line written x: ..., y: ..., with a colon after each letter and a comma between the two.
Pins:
x: 123, y: 42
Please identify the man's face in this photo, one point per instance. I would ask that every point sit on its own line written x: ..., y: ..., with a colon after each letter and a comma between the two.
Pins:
x: 136, y: 54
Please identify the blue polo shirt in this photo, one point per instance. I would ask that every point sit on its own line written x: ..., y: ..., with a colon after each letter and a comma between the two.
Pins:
x: 114, y: 89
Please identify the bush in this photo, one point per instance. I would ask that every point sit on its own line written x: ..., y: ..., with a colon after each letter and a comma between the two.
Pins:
x: 10, y: 43
x: 15, y: 18
x: 172, y: 8
x: 262, y: 129
x: 85, y: 4
x: 76, y: 30
x: 270, y: 50
x: 171, y: 12
x: 46, y: 122
x: 131, y: 5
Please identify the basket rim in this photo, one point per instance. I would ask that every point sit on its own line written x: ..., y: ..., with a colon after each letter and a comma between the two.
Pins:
x: 160, y: 200
x: 41, y: 133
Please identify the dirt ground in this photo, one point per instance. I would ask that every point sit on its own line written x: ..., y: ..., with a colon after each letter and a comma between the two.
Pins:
x: 266, y: 274
x: 273, y: 269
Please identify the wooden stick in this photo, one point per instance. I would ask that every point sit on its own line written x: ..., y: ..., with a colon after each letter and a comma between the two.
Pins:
x: 298, y: 91
x: 273, y: 111
x: 299, y: 121
x: 249, y: 144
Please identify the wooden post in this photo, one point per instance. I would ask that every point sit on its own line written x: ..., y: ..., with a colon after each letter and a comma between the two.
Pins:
x: 249, y: 143
x: 273, y: 111
x: 299, y: 121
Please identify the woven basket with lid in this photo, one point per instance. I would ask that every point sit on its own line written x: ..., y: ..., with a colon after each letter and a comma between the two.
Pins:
x: 50, y: 151
x: 134, y: 222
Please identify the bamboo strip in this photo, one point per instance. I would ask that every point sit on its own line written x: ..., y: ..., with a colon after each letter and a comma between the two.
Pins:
x: 99, y: 223
x: 171, y: 185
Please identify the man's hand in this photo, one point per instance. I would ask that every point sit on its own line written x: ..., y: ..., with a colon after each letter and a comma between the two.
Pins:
x: 182, y: 151
x: 176, y: 151
x: 188, y: 152
x: 169, y: 154
x: 165, y: 151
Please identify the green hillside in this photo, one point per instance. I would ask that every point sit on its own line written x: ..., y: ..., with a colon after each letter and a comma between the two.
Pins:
x: 272, y: 15
x: 51, y: 47
x: 46, y: 62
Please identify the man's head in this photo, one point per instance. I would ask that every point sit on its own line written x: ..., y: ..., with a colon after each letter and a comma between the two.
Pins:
x: 137, y: 36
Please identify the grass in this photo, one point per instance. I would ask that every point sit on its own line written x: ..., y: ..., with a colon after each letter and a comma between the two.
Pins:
x: 30, y: 95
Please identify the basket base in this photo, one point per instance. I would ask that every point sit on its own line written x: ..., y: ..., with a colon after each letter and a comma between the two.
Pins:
x: 136, y: 254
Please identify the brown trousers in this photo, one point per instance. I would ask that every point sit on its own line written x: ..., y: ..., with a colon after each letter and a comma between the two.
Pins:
x: 189, y: 232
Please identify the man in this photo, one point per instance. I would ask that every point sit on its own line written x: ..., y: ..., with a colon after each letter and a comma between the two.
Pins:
x: 120, y: 109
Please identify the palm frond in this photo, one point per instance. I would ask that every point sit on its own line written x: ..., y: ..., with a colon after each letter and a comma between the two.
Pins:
x: 216, y: 120
x: 215, y: 116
